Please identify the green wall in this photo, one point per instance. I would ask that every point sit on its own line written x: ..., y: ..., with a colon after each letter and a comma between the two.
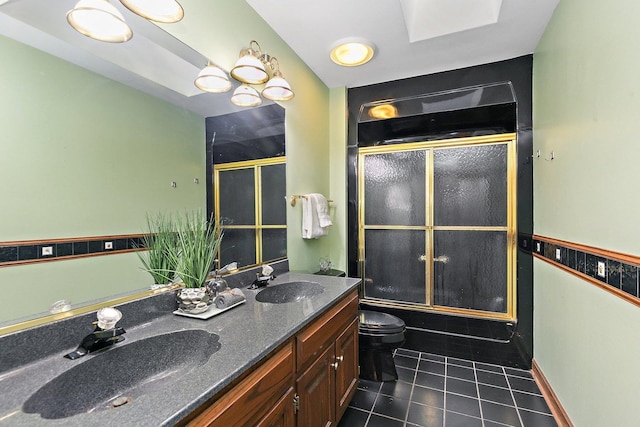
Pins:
x: 586, y: 106
x: 219, y: 29
x: 81, y: 155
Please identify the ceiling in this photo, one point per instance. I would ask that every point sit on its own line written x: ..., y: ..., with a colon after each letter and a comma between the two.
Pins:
x: 411, y: 37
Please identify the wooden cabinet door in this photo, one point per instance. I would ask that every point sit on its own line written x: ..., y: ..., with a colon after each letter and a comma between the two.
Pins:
x: 347, y: 367
x: 282, y: 414
x: 316, y: 391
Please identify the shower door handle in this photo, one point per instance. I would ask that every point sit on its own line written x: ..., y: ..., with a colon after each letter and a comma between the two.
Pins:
x: 422, y: 258
x: 442, y: 258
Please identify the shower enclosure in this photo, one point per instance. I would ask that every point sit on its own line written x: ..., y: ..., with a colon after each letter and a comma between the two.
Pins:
x: 437, y: 215
x: 437, y: 225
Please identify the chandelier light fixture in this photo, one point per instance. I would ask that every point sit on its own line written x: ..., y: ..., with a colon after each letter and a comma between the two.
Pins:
x: 246, y: 96
x: 256, y: 68
x: 100, y: 20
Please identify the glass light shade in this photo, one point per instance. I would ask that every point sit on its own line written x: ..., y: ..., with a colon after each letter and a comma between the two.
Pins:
x: 277, y: 89
x: 167, y: 11
x: 213, y: 79
x: 99, y: 20
x: 351, y: 54
x: 246, y: 96
x: 249, y: 69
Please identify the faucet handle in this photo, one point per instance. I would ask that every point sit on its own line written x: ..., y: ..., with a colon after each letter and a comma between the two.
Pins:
x: 108, y: 317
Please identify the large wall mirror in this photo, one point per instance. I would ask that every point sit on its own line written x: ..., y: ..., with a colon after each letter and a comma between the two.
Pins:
x: 95, y: 136
x: 247, y: 191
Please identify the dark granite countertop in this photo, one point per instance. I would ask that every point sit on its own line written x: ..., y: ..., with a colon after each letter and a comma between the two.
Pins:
x: 247, y: 334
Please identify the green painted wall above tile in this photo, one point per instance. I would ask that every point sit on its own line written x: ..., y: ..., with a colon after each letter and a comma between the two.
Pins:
x: 585, y: 111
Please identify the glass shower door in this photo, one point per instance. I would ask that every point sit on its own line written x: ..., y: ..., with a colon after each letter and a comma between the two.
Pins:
x: 394, y: 235
x: 437, y: 226
x: 470, y: 233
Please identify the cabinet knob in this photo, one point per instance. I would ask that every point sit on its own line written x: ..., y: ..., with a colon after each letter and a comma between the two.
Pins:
x: 340, y: 358
x: 334, y: 365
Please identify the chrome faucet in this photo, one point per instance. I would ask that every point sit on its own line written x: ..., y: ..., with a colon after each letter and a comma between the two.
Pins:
x: 104, y: 335
x: 262, y: 279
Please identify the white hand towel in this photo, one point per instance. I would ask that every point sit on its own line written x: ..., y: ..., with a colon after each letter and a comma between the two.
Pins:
x: 311, y: 228
x: 322, y: 207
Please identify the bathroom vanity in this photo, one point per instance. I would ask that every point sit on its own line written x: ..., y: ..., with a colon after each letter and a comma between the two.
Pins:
x: 309, y: 380
x: 266, y: 364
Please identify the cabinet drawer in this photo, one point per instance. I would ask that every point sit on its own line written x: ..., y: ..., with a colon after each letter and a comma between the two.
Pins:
x: 314, y: 339
x: 254, y: 396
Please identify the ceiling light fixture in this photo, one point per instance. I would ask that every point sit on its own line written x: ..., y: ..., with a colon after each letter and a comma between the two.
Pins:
x: 166, y: 11
x: 277, y: 88
x: 213, y: 79
x: 352, y: 52
x: 246, y: 96
x: 254, y: 68
x: 99, y: 20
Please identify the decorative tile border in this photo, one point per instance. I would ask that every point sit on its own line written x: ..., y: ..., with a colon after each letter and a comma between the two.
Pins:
x: 32, y: 251
x: 615, y: 272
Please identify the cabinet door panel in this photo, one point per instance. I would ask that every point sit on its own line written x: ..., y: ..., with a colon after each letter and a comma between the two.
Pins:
x: 316, y: 391
x: 347, y: 370
x: 314, y: 339
x: 254, y: 396
x: 282, y: 414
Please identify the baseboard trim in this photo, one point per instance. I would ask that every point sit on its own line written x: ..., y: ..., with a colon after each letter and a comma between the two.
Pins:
x: 561, y: 416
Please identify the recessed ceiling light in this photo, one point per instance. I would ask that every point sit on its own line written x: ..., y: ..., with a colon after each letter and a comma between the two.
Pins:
x: 352, y: 52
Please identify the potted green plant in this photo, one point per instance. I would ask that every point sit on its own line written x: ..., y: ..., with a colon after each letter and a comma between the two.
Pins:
x: 160, y: 242
x: 198, y: 241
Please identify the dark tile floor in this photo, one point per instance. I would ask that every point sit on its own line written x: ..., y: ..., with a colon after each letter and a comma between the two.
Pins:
x: 438, y: 391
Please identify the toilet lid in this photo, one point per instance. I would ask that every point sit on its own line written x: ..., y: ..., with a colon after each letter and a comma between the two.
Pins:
x: 381, y: 322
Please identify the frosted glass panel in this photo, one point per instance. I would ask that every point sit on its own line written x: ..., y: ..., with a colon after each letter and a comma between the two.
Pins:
x: 237, y: 197
x: 470, y: 270
x: 393, y: 270
x: 470, y: 186
x: 274, y: 243
x: 238, y: 245
x: 394, y: 188
x: 274, y: 208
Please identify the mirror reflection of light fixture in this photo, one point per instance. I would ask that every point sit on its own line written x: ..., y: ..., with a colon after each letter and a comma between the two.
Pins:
x: 254, y: 68
x: 213, y: 79
x: 383, y: 111
x: 246, y: 96
x: 352, y: 52
x: 99, y: 20
x: 166, y: 11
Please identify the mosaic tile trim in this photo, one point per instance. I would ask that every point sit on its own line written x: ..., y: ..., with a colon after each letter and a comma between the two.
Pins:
x: 616, y: 271
x: 27, y: 252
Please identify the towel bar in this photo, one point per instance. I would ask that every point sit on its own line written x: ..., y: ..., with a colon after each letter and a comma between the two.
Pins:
x: 295, y: 198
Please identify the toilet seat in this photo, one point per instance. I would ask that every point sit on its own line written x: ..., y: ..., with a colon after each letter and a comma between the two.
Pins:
x: 374, y: 322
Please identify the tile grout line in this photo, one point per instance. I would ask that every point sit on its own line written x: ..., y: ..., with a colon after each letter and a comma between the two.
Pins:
x: 475, y: 375
x: 515, y: 404
x: 444, y: 392
x: 413, y: 384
